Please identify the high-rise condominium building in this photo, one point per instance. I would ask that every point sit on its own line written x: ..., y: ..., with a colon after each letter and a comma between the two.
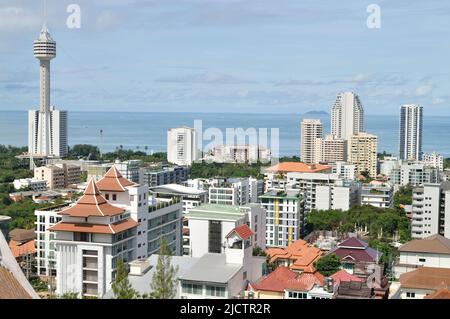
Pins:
x: 411, y: 132
x: 311, y: 130
x: 347, y: 116
x: 331, y: 149
x: 47, y: 127
x: 182, y: 145
x: 362, y: 151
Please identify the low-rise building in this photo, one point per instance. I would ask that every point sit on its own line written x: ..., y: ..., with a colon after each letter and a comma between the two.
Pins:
x: 413, y: 173
x: 299, y: 256
x: 432, y: 251
x: 130, y: 170
x: 423, y: 282
x: 344, y: 170
x: 30, y: 183
x: 356, y: 256
x: 58, y: 175
x: 224, y: 275
x: 233, y: 153
x: 377, y: 195
x: 164, y: 175
x: 210, y: 223
x: 434, y: 160
x: 191, y: 197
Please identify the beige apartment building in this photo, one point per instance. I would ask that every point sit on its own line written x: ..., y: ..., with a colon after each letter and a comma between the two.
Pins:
x: 58, y: 175
x: 311, y: 130
x: 362, y: 152
x: 331, y: 149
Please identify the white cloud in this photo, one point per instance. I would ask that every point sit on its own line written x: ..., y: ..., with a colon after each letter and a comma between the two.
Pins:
x: 437, y: 101
x: 13, y: 18
x: 424, y: 89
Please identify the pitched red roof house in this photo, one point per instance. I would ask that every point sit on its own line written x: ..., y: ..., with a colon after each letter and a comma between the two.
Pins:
x: 243, y: 232
x: 299, y: 255
x: 355, y: 250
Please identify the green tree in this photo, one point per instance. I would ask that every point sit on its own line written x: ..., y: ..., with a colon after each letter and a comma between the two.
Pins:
x: 328, y: 264
x: 121, y: 286
x: 164, y: 281
x: 69, y: 295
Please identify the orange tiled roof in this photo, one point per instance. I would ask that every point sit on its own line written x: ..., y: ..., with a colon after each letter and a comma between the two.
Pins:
x: 442, y: 293
x: 19, y: 249
x: 92, y: 204
x: 298, y: 167
x: 95, y: 228
x: 242, y: 231
x: 113, y: 181
x: 276, y: 280
x: 302, y: 255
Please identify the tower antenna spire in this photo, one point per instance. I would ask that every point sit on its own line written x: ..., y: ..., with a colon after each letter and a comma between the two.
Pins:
x: 45, y: 12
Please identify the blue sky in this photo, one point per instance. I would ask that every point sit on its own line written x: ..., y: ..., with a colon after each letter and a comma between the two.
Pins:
x: 268, y: 56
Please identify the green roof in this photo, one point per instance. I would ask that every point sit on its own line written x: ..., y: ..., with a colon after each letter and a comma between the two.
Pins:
x: 216, y: 211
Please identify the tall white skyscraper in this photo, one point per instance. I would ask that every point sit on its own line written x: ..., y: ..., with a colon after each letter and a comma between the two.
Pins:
x: 182, y: 145
x: 410, y: 132
x: 47, y: 127
x: 311, y: 130
x: 347, y: 116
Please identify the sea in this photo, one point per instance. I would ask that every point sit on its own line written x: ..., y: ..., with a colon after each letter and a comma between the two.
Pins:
x: 148, y: 131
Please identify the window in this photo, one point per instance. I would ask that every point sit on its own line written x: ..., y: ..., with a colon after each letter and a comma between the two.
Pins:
x: 215, y: 291
x: 192, y: 289
x: 107, y: 196
x: 114, y: 197
x: 422, y: 260
x: 410, y: 295
x: 215, y: 236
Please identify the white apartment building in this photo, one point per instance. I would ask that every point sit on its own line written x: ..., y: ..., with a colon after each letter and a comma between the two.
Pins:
x: 36, y: 185
x: 130, y: 170
x: 285, y: 217
x: 323, y: 191
x: 377, y: 195
x: 388, y: 164
x: 310, y: 131
x: 410, y: 144
x: 342, y: 195
x: 91, y: 238
x: 434, y: 160
x: 45, y: 246
x: 431, y: 251
x: 47, y: 127
x: 347, y: 116
x: 413, y: 173
x: 331, y: 150
x: 345, y: 170
x: 191, y: 197
x: 362, y: 151
x: 210, y: 223
x: 231, y: 192
x: 234, y: 153
x: 431, y: 210
x: 182, y: 146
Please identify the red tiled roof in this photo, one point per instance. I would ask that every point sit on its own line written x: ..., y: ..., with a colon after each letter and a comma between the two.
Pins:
x: 298, y: 167
x: 431, y: 278
x: 243, y: 231
x: 344, y: 276
x: 276, y: 280
x: 113, y: 181
x: 95, y: 228
x: 92, y: 204
x: 306, y: 282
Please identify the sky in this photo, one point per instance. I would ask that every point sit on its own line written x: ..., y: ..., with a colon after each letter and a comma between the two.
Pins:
x: 228, y: 56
